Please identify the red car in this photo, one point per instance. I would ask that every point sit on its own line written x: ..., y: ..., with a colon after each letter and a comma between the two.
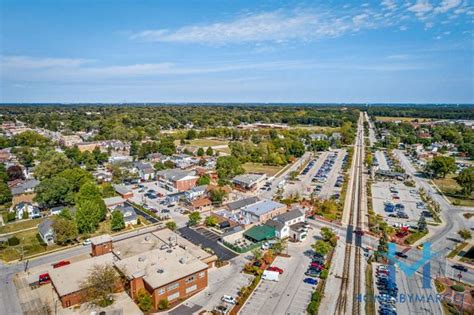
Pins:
x: 44, y: 279
x: 61, y: 263
x: 317, y: 266
x: 273, y: 268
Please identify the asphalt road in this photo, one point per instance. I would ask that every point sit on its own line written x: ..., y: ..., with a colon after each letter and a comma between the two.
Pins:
x: 199, y: 239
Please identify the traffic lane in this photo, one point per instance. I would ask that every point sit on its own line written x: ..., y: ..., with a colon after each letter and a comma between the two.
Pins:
x: 199, y: 239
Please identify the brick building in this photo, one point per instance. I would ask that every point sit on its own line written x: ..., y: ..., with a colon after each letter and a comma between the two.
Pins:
x: 101, y: 245
x: 177, y: 179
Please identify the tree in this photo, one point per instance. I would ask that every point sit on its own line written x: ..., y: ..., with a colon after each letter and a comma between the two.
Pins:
x: 382, y: 247
x: 117, y: 222
x: 328, y: 235
x: 465, y: 179
x: 100, y: 283
x: 65, y: 230
x: 200, y: 152
x: 228, y: 167
x: 15, y: 172
x: 5, y: 193
x: 422, y: 224
x: 54, y: 191
x: 159, y: 166
x: 465, y: 234
x: 209, y: 151
x: 257, y: 254
x: 66, y: 214
x: 52, y: 163
x: 144, y: 300
x: 194, y: 218
x: 89, y: 213
x: 280, y: 246
x: 321, y: 247
x: 211, y: 221
x: 440, y: 166
x: 217, y: 195
x: 204, y: 180
x: 171, y: 225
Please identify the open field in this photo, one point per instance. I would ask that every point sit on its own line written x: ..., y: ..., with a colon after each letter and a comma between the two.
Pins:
x: 270, y: 170
x: 450, y: 189
x: 203, y: 142
x: 30, y: 244
x: 20, y: 225
x: 406, y: 119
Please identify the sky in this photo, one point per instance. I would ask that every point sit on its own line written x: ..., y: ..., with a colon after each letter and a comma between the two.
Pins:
x: 388, y: 51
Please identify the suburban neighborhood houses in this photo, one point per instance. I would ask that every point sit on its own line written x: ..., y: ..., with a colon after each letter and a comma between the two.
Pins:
x: 210, y: 220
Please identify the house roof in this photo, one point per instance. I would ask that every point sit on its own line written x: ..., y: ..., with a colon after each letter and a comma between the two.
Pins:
x: 241, y: 203
x: 128, y: 212
x: 201, y: 202
x: 143, y: 166
x: 288, y: 216
x: 45, y: 226
x: 261, y: 207
x: 260, y: 233
x: 113, y: 201
x: 121, y: 189
x: 277, y: 225
x: 22, y: 187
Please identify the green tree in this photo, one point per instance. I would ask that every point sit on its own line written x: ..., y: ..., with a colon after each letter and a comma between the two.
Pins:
x: 209, y: 151
x: 5, y: 193
x: 117, y: 222
x: 100, y: 284
x: 228, y: 167
x: 66, y: 214
x: 54, y: 191
x: 280, y: 246
x: 200, y: 152
x: 194, y: 218
x: 159, y: 166
x: 191, y: 134
x: 52, y: 163
x: 257, y: 254
x: 171, y: 225
x: 144, y: 300
x: 440, y: 166
x: 465, y: 234
x: 321, y: 247
x: 465, y: 179
x: 204, y: 180
x: 217, y: 195
x: 65, y: 231
x: 211, y: 221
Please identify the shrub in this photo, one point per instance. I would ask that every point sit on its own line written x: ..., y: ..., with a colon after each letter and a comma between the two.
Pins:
x: 144, y: 300
x: 457, y: 288
x: 324, y: 274
x: 13, y: 241
x: 163, y: 304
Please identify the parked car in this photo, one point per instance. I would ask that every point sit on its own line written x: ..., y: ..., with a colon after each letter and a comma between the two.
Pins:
x: 44, y: 279
x: 87, y: 242
x: 460, y: 268
x: 61, y: 263
x: 401, y: 254
x: 229, y: 299
x: 310, y: 281
x: 274, y: 268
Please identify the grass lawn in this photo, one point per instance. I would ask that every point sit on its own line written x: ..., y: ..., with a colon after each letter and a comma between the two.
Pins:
x: 450, y: 189
x: 32, y: 244
x: 270, y: 170
x: 204, y: 142
x: 389, y: 118
x: 19, y: 225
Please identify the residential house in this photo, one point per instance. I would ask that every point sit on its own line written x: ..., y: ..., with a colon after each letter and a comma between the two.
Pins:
x: 183, y: 161
x: 24, y: 187
x: 318, y: 136
x: 129, y: 215
x: 195, y: 192
x: 46, y: 232
x: 123, y: 191
x: 239, y: 204
x: 32, y: 211
x: 201, y: 204
x: 283, y: 222
x: 144, y: 170
x: 177, y: 179
x: 113, y: 202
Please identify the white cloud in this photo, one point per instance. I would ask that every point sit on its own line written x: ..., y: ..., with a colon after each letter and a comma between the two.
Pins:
x: 25, y: 62
x: 389, y: 4
x: 421, y: 7
x: 447, y: 5
x: 273, y: 26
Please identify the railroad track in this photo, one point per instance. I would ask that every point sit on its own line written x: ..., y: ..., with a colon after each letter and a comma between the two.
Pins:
x: 355, y: 219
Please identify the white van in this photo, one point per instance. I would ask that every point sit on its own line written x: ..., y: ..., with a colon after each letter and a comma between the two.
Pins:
x: 271, y: 275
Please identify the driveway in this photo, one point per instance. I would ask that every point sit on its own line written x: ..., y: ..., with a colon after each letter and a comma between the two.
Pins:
x: 206, y: 242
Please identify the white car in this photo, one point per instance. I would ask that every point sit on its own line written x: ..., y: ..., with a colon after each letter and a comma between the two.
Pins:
x: 87, y: 242
x: 228, y: 299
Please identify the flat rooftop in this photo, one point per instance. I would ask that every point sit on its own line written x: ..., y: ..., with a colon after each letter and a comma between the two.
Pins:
x: 67, y: 279
x: 159, y: 267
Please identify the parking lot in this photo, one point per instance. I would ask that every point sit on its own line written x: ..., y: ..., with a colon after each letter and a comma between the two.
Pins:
x: 388, y: 194
x: 381, y: 160
x: 290, y: 295
x: 207, y: 240
x: 334, y: 179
